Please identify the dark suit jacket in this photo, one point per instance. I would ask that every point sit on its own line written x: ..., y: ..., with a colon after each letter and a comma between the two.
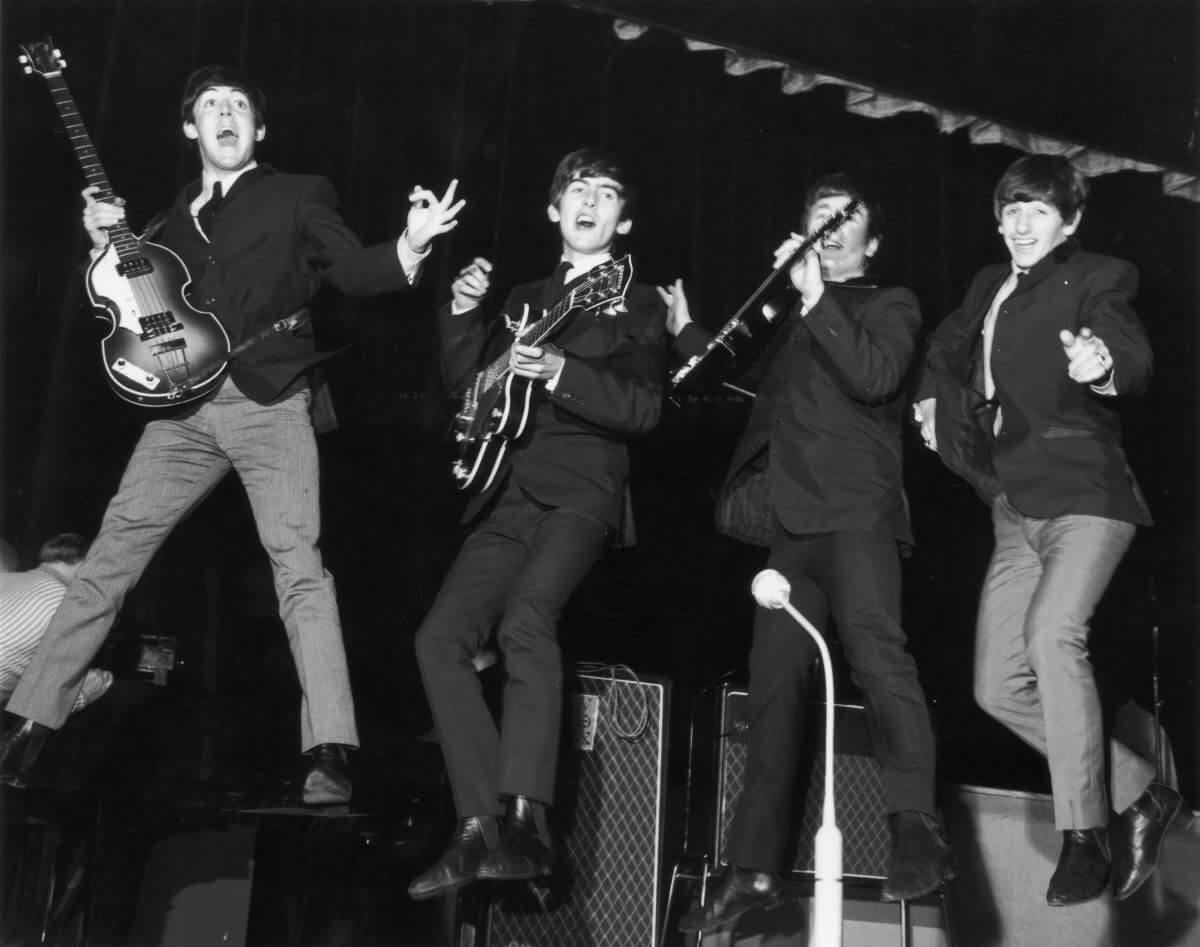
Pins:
x: 1059, y: 448
x: 828, y: 411
x: 275, y: 238
x: 573, y: 453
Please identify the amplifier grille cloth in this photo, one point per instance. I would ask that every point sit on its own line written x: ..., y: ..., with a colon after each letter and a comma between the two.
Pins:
x: 859, y: 795
x: 608, y: 815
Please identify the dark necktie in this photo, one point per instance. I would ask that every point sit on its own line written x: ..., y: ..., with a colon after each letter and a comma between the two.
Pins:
x: 205, y: 217
x: 553, y: 290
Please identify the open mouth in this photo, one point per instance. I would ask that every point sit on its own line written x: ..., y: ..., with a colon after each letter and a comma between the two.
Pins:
x: 584, y: 222
x: 227, y: 135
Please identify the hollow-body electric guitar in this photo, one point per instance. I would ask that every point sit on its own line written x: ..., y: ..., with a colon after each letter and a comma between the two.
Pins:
x: 161, y: 351
x: 496, y: 408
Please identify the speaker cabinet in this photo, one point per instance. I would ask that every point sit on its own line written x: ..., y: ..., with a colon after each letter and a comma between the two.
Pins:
x: 608, y: 816
x: 858, y: 785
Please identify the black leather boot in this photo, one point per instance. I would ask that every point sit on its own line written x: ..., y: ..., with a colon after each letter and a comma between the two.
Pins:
x: 739, y: 890
x: 328, y: 781
x: 525, y: 849
x: 1137, y: 836
x: 459, y: 865
x: 921, y: 858
x: 19, y: 749
x: 1082, y: 872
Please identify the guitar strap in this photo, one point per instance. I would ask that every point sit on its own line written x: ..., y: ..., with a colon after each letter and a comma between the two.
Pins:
x: 154, y: 228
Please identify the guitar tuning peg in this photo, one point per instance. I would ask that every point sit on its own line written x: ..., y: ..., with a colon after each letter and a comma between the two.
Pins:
x: 23, y: 59
x: 28, y: 70
x: 616, y: 309
x: 62, y: 63
x: 57, y: 53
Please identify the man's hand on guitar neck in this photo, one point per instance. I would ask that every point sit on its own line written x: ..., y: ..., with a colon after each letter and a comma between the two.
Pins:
x: 470, y: 286
x: 99, y: 216
x: 805, y: 273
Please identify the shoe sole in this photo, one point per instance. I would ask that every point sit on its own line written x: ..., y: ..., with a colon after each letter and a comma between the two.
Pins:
x: 767, y: 904
x: 443, y: 890
x: 514, y: 876
x: 1085, y: 900
x: 949, y: 873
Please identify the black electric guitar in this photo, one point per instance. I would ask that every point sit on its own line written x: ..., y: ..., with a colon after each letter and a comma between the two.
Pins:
x: 495, y: 409
x: 161, y: 351
x: 737, y: 342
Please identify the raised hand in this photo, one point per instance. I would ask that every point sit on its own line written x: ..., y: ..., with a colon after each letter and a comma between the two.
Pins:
x: 471, y: 284
x: 1088, y: 358
x: 431, y: 216
x: 678, y: 314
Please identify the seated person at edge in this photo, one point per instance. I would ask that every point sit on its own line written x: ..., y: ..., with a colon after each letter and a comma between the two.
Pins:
x: 1017, y: 396
x: 257, y: 244
x: 554, y: 505
x: 28, y: 600
x: 816, y: 478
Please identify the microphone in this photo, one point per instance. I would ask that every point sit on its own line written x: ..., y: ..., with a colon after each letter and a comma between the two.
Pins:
x: 771, y: 589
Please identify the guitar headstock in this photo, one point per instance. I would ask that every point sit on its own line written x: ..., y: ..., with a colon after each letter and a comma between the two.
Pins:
x: 41, y: 57
x: 605, y: 286
x: 831, y: 224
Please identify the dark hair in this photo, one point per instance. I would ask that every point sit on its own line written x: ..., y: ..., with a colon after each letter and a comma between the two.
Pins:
x: 841, y: 184
x: 208, y: 77
x: 1049, y: 178
x: 591, y: 163
x: 65, y: 547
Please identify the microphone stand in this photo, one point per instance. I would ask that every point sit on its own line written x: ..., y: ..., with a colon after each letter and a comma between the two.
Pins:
x: 771, y: 590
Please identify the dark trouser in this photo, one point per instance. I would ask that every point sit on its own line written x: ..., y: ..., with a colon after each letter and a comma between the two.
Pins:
x: 517, y: 569
x: 855, y: 575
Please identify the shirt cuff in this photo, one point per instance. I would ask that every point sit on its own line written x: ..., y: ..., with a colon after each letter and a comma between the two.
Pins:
x: 1109, y: 388
x: 553, y: 382
x: 410, y: 260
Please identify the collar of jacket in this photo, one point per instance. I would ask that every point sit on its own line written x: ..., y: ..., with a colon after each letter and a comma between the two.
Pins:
x: 1060, y: 254
x: 244, y: 179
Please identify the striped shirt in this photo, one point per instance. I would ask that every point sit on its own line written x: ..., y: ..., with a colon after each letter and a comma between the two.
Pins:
x: 28, y: 600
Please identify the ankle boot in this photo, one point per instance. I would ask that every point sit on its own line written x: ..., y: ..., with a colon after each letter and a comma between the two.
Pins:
x: 1082, y: 872
x: 739, y: 890
x: 525, y: 849
x: 921, y: 858
x: 1137, y: 837
x: 19, y: 749
x: 473, y: 838
x: 328, y: 779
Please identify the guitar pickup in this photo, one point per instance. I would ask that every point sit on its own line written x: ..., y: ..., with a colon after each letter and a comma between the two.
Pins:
x: 171, y: 345
x: 131, y: 372
x: 160, y: 323
x: 138, y: 266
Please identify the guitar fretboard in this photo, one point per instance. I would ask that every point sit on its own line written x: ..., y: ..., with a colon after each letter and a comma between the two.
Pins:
x: 532, y: 334
x: 122, y: 238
